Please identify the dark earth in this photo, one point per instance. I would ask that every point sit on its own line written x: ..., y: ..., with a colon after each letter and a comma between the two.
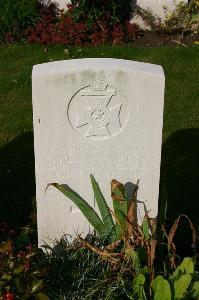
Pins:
x: 156, y: 39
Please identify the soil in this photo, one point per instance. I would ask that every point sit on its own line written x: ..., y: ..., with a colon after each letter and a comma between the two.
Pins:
x: 157, y: 39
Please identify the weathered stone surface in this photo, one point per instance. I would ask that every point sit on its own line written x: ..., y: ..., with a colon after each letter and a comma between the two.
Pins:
x: 99, y: 116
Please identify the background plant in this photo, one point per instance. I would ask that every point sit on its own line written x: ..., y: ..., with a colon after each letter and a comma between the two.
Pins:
x: 106, y: 21
x: 100, y: 11
x: 182, y: 284
x: 68, y: 31
x: 183, y: 19
x: 23, y: 266
x: 16, y: 16
x: 85, y: 22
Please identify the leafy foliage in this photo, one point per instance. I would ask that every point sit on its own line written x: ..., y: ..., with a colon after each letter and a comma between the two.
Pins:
x: 103, y: 208
x: 105, y: 227
x: 22, y: 267
x: 132, y: 247
x: 90, y: 214
x: 183, y: 19
x: 128, y: 243
x: 161, y: 289
x: 85, y: 22
x: 65, y: 31
x: 100, y: 11
x: 182, y: 284
x: 16, y: 16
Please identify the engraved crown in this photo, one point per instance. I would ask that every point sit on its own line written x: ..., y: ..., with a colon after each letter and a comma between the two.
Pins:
x: 99, y: 84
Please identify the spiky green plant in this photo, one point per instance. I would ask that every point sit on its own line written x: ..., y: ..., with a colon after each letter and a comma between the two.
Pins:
x: 104, y: 226
x: 124, y: 213
x: 119, y: 228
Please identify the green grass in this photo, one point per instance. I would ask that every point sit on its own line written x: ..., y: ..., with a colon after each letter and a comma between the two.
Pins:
x: 180, y: 160
x: 180, y: 66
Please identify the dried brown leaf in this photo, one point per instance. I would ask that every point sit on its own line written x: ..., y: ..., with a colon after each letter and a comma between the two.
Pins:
x: 132, y: 210
x: 6, y: 247
x: 103, y: 253
x: 175, y: 226
x: 116, y: 185
x: 113, y: 245
x: 153, y: 244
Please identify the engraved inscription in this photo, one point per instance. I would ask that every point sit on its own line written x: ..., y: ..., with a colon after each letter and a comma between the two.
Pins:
x: 62, y: 163
x: 98, y: 110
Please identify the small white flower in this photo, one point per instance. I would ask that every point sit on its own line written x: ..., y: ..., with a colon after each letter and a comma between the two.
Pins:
x: 66, y: 51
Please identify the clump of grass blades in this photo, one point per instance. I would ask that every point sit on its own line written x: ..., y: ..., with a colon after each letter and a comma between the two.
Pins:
x: 77, y: 272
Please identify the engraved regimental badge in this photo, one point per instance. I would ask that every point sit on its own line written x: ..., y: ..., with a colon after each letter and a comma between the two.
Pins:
x: 98, y: 111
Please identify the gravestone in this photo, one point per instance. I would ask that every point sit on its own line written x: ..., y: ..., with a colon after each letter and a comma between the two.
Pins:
x: 99, y: 116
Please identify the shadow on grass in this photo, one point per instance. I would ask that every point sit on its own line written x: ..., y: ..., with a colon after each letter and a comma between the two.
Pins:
x: 180, y: 183
x: 17, y: 180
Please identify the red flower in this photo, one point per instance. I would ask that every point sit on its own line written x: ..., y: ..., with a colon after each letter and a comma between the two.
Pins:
x: 8, y: 296
x: 9, y: 38
x: 65, y: 31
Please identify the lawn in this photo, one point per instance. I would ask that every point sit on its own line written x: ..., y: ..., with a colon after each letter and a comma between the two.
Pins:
x: 180, y: 159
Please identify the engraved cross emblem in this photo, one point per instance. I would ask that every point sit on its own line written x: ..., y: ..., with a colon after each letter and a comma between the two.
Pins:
x: 98, y: 114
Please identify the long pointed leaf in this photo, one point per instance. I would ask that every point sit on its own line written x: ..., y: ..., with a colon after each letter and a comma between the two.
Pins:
x: 85, y: 208
x: 103, y: 208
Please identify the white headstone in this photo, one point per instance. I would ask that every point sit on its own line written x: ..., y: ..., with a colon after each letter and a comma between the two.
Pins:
x: 99, y: 116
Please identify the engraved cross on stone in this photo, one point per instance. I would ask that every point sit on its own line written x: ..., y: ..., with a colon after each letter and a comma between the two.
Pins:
x: 96, y: 114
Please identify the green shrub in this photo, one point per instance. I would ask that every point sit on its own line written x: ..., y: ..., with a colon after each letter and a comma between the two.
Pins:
x: 23, y: 267
x: 16, y: 16
x: 183, y: 19
x: 94, y: 22
x: 112, y: 226
x: 182, y: 284
x: 113, y: 11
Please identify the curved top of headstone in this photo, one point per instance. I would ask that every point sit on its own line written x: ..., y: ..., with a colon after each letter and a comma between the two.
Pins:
x: 98, y: 63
